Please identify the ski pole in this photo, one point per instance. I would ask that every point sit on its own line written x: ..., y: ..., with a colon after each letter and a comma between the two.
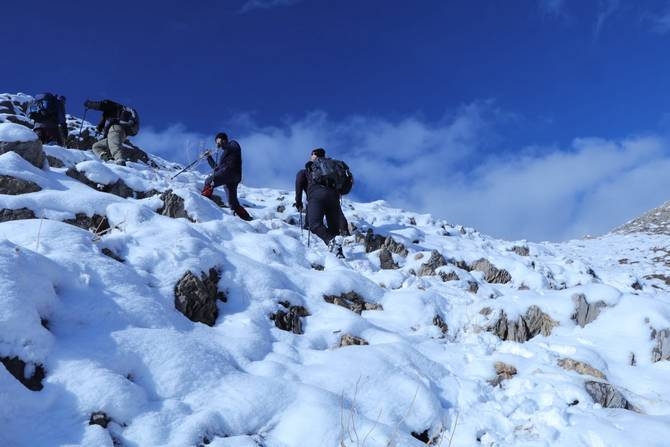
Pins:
x: 300, y: 223
x: 190, y: 165
x: 81, y: 140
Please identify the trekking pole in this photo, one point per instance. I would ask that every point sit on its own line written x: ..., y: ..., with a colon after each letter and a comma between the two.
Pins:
x: 81, y: 140
x: 190, y: 165
x: 301, y: 224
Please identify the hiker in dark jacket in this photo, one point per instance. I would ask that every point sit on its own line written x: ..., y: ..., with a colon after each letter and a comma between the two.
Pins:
x: 113, y: 129
x: 227, y: 172
x: 301, y: 185
x: 48, y: 114
x: 323, y: 201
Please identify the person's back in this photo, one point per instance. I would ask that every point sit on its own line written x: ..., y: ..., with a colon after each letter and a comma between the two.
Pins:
x: 47, y: 111
x: 116, y: 123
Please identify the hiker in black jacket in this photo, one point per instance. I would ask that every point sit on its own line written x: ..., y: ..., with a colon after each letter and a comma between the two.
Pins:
x: 227, y: 172
x: 323, y: 201
x: 301, y: 184
x: 115, y: 130
x: 48, y: 114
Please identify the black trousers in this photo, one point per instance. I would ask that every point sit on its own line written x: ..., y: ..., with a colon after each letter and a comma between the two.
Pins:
x: 324, y: 202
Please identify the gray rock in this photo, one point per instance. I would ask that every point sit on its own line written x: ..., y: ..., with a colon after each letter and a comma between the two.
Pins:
x: 55, y: 162
x: 451, y: 276
x: 15, y: 186
x: 492, y: 274
x: 520, y: 250
x: 18, y: 214
x: 585, y: 312
x: 386, y: 259
x: 662, y: 349
x: 196, y: 297
x: 436, y: 261
x: 352, y: 301
x: 173, y: 206
x: 374, y: 242
x: 533, y: 323
x: 439, y: 322
x: 606, y: 395
x: 118, y: 188
x: 96, y: 223
x: 31, y: 151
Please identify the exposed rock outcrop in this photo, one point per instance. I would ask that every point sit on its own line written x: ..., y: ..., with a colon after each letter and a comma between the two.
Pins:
x: 17, y: 368
x: 17, y: 214
x: 661, y: 350
x: 352, y: 301
x: 580, y: 368
x: 606, y: 395
x: 533, y: 323
x: 503, y: 372
x: 289, y: 319
x: 352, y: 340
x: 173, y: 206
x: 435, y: 261
x: 492, y: 274
x: 196, y: 297
x: 15, y: 186
x: 586, y: 312
x: 31, y: 151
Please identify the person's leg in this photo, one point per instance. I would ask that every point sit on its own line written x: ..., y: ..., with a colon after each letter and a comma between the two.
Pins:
x: 102, y: 150
x: 317, y: 210
x: 231, y: 191
x: 115, y: 138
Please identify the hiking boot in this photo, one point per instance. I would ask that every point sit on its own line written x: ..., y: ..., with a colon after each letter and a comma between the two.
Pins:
x: 240, y: 212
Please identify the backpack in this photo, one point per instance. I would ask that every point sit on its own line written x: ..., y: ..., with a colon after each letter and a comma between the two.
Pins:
x: 332, y: 173
x: 130, y: 120
x: 45, y: 107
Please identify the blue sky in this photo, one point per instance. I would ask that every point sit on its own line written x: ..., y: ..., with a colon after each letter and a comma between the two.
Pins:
x: 537, y: 119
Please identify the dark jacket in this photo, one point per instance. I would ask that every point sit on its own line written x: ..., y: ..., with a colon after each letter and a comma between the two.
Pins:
x: 301, y: 184
x: 110, y: 113
x: 229, y: 168
x: 57, y: 121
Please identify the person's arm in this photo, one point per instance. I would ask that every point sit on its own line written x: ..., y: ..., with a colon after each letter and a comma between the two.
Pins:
x: 300, y: 186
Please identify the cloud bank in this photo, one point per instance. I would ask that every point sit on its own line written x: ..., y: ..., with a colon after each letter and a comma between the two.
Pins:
x: 451, y: 169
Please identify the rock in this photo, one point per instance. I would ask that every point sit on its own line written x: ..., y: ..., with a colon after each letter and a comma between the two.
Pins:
x: 352, y: 301
x: 503, y: 372
x: 99, y: 418
x: 436, y: 260
x: 352, y: 340
x: 533, y: 323
x: 662, y: 349
x: 492, y: 274
x: 17, y: 368
x: 451, y: 276
x: 196, y: 297
x: 386, y: 259
x: 439, y: 322
x: 18, y: 214
x: 580, y: 367
x: 55, y: 162
x: 118, y: 188
x: 107, y: 252
x: 585, y: 313
x: 97, y: 224
x: 520, y: 250
x: 289, y: 319
x: 14, y: 186
x: 606, y: 395
x: 374, y: 242
x: 31, y: 151
x: 173, y: 206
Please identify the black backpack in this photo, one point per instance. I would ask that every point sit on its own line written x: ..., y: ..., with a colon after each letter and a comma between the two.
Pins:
x: 332, y: 173
x: 129, y: 119
x: 45, y: 107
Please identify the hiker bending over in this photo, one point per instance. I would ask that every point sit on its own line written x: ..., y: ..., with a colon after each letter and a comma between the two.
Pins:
x: 227, y: 172
x: 116, y: 124
x: 48, y: 114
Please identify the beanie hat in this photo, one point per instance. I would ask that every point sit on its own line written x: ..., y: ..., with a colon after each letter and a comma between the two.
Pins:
x: 319, y: 152
x: 221, y: 135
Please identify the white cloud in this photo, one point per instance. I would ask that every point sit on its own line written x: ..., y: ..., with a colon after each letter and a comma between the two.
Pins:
x: 606, y: 10
x: 251, y: 5
x: 661, y: 23
x: 448, y: 169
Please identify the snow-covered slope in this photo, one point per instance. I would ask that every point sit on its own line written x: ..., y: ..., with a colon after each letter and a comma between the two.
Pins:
x: 443, y: 336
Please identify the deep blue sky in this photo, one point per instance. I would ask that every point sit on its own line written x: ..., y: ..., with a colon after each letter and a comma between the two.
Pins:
x: 541, y: 72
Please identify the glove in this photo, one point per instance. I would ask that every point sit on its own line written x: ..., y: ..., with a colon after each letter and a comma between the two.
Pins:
x: 207, y: 191
x: 207, y: 153
x: 298, y: 206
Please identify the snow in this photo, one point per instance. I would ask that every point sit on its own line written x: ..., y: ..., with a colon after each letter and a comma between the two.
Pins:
x: 11, y: 132
x: 110, y: 339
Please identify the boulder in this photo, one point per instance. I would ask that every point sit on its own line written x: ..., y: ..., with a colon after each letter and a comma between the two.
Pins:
x: 533, y: 323
x: 17, y: 368
x: 661, y: 350
x: 606, y: 395
x: 492, y: 274
x: 196, y: 297
x: 18, y: 214
x: 289, y: 319
x: 31, y: 151
x: 15, y: 186
x: 585, y: 312
x: 436, y: 260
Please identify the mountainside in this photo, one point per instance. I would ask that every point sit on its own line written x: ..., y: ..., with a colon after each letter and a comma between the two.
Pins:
x: 428, y: 333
